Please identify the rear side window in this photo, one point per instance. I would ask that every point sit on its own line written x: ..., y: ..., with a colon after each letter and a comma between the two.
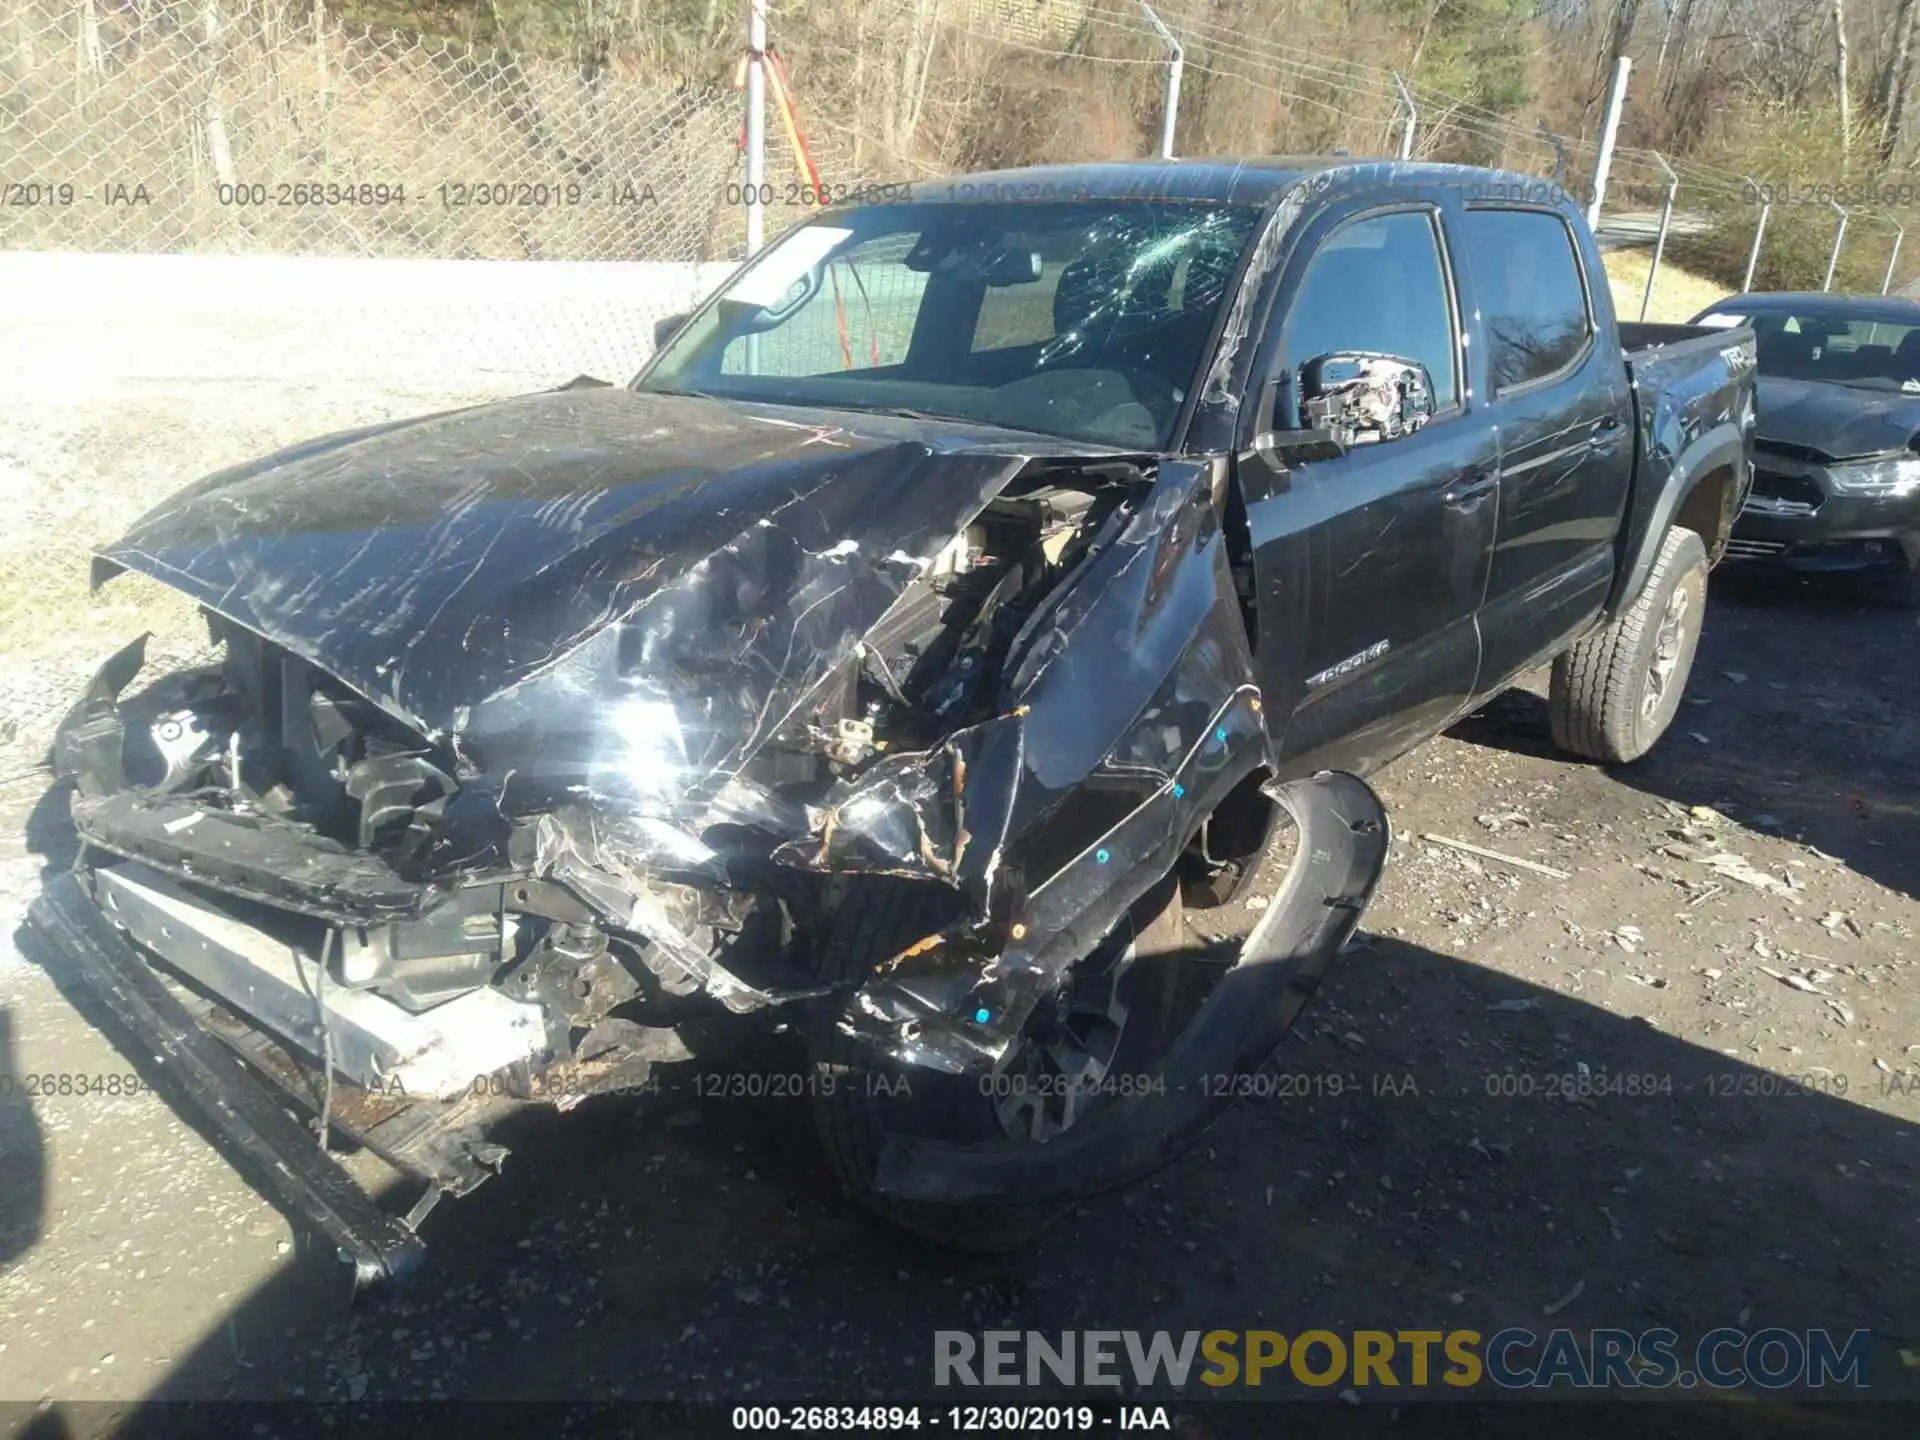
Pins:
x: 1526, y: 273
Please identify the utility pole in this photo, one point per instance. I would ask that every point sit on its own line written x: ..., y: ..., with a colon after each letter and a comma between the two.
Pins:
x: 1609, y: 132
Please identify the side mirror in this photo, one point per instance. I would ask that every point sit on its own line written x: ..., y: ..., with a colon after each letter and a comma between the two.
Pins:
x: 1363, y: 397
x: 665, y: 330
x: 1278, y: 449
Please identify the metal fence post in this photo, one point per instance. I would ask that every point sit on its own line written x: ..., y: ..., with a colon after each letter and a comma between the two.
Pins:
x: 1660, y: 240
x: 1759, y: 229
x: 1609, y: 131
x: 1839, y: 237
x: 1413, y: 117
x: 1899, y: 234
x: 1176, y: 63
x: 756, y: 124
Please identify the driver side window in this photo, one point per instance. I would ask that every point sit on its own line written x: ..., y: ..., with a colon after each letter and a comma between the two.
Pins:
x: 1378, y: 285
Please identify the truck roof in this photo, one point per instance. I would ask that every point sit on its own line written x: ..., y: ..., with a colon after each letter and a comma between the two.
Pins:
x: 1249, y: 180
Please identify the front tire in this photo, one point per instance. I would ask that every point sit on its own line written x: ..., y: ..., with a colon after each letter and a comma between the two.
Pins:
x: 1614, y: 694
x: 860, y: 1097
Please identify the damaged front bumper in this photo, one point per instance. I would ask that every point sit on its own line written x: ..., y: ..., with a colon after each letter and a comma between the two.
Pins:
x: 209, y: 1083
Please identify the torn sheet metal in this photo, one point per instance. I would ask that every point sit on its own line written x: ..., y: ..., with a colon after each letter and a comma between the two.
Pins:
x: 1129, y: 713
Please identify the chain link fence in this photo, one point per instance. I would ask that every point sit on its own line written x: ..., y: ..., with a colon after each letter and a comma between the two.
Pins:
x: 246, y: 126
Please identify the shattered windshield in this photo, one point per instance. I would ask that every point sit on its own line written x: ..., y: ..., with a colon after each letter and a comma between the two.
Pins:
x: 1086, y: 319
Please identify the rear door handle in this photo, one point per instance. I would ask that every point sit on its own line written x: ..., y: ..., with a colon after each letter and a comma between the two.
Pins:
x: 1604, y: 429
x: 1470, y: 486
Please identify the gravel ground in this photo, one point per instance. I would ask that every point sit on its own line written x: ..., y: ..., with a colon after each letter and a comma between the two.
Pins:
x: 688, y: 1247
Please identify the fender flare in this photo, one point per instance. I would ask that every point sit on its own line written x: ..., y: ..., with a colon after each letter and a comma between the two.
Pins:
x: 1723, y: 445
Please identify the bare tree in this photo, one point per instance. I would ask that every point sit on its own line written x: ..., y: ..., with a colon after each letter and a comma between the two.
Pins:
x: 1890, y: 97
x: 1840, y: 74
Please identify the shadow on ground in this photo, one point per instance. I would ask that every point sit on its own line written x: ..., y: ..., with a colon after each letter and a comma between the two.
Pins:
x: 1802, y: 719
x: 1419, y: 1165
x: 23, y: 1191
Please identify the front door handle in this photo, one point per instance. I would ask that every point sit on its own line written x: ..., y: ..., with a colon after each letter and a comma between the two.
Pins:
x: 1470, y: 487
x: 1604, y: 429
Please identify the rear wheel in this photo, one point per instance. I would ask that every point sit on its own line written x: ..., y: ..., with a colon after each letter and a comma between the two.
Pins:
x: 1614, y: 694
x: 1109, y: 1019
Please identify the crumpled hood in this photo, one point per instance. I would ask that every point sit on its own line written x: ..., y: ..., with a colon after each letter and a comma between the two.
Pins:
x: 739, y: 551
x: 1838, y: 421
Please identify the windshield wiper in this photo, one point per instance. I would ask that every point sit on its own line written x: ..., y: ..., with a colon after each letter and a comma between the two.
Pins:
x: 670, y: 390
x: 909, y: 414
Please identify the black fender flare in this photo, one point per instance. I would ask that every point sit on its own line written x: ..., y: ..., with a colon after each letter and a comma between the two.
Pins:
x: 1723, y: 445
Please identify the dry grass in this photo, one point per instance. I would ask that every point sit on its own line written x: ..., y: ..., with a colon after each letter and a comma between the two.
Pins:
x: 1677, y: 294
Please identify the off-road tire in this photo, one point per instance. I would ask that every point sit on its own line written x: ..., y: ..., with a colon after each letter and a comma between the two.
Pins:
x: 1605, y: 701
x: 860, y: 1097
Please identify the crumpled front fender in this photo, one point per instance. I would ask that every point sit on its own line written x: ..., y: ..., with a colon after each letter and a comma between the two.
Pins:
x: 1129, y: 715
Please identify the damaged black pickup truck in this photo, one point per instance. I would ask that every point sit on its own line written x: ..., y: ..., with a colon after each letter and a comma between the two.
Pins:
x: 968, y: 587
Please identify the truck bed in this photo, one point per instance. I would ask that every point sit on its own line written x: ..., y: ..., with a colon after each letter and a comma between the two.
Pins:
x: 1638, y: 336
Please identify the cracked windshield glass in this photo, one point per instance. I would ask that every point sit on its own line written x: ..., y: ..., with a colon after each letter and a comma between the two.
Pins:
x: 1083, y: 319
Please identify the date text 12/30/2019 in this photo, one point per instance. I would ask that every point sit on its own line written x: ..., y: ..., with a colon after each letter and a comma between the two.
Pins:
x: 957, y: 1419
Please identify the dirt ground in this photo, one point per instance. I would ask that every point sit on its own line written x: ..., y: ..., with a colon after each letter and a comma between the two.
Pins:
x: 687, y: 1248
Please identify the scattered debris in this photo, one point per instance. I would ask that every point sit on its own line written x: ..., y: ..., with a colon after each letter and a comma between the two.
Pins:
x: 1731, y: 866
x: 1627, y: 937
x: 1836, y: 922
x: 1485, y: 854
x: 1795, y: 982
x: 1579, y: 1289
